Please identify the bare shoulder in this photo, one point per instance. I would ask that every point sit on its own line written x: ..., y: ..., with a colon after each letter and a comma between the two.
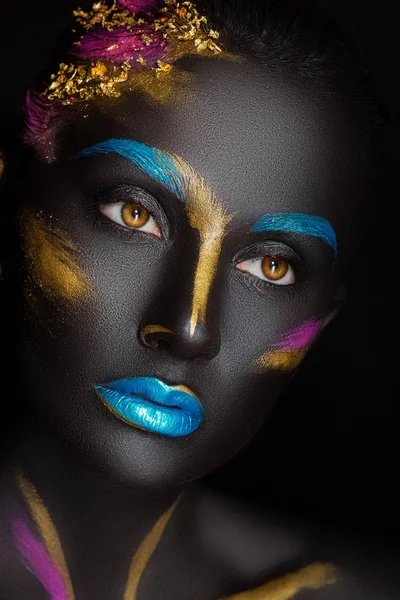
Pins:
x: 274, y: 556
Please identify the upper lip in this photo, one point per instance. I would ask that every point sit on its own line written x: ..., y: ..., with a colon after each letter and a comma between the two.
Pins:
x: 157, y: 391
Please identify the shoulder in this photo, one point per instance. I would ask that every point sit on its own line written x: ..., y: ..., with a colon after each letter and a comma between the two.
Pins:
x: 15, y: 581
x: 278, y: 556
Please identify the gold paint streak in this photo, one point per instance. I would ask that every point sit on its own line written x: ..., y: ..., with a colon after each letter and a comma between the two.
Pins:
x: 313, y: 577
x: 145, y: 552
x: 166, y: 87
x: 149, y: 329
x: 281, y: 360
x: 184, y: 388
x: 117, y: 414
x: 2, y: 166
x: 50, y: 262
x: 46, y: 528
x: 210, y: 219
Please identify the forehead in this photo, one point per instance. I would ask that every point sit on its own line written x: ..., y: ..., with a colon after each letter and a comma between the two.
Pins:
x: 263, y: 143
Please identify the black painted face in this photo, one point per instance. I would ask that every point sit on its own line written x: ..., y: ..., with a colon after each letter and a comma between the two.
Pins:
x: 231, y: 326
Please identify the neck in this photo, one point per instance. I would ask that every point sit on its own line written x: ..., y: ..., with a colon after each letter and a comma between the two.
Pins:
x: 95, y: 518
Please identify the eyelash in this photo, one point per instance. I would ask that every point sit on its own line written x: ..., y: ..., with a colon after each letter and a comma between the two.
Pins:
x: 111, y: 202
x: 126, y: 195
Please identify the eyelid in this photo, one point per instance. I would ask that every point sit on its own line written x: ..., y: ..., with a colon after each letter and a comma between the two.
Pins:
x: 269, y: 248
x: 131, y: 193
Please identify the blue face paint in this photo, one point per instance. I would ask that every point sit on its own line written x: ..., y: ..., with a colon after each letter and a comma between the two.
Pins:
x: 299, y: 223
x: 150, y: 404
x: 159, y: 165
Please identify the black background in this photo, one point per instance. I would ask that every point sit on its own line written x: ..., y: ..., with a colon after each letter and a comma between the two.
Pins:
x: 331, y: 448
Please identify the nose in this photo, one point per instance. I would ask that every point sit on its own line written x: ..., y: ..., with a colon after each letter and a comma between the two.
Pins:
x: 203, y: 343
x: 173, y: 322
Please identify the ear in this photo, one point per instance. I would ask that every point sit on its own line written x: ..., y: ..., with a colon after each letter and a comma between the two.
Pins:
x: 339, y: 301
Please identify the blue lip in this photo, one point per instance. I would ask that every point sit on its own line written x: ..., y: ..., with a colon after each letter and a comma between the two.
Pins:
x: 133, y: 400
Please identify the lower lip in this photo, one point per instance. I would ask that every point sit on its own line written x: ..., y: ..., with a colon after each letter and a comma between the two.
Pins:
x: 159, y: 408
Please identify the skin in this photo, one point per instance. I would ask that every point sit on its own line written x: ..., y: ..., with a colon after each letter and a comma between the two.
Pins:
x: 263, y: 145
x: 138, y: 279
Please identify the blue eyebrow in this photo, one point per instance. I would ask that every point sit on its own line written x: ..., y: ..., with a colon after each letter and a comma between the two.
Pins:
x: 159, y: 165
x: 299, y: 223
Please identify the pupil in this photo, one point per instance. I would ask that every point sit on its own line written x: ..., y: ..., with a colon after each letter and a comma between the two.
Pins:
x: 136, y: 213
x: 273, y: 265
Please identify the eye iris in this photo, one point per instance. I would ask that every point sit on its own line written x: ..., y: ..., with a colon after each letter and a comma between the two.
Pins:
x: 134, y: 214
x: 274, y: 268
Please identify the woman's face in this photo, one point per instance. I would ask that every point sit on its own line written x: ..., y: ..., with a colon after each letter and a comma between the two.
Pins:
x: 132, y: 272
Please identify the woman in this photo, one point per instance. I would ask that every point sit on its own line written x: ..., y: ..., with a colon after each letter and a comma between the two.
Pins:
x: 191, y: 194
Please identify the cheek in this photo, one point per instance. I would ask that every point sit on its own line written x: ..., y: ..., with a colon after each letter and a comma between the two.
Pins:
x: 50, y: 260
x: 289, y: 351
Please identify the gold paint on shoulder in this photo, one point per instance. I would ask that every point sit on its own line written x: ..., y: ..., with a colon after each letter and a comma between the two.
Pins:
x: 149, y: 329
x: 145, y: 551
x: 50, y: 261
x: 281, y: 360
x: 313, y: 577
x: 210, y: 218
x: 46, y: 528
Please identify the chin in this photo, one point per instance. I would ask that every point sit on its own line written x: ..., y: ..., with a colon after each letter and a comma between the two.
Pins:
x: 128, y: 456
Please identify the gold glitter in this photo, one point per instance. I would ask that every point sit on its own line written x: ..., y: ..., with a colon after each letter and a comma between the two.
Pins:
x: 112, y: 47
x: 146, y: 39
x: 210, y: 219
x: 46, y: 528
x: 180, y: 24
x: 149, y: 329
x: 163, y: 67
x: 281, y: 360
x: 86, y: 82
x: 50, y: 260
x: 313, y: 577
x: 145, y: 552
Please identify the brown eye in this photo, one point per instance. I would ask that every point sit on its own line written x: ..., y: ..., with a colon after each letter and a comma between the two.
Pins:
x: 274, y: 268
x: 134, y: 215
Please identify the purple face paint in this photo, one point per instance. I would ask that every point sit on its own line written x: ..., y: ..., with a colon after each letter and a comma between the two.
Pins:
x: 36, y: 559
x: 287, y: 354
x: 300, y: 336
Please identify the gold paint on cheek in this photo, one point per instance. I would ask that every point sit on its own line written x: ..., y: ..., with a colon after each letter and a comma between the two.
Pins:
x: 210, y: 219
x: 46, y: 528
x: 149, y: 329
x: 49, y: 257
x: 281, y: 360
x: 145, y: 552
x: 314, y: 577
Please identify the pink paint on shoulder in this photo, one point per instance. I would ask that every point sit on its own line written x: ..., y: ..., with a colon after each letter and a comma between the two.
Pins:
x: 300, y: 336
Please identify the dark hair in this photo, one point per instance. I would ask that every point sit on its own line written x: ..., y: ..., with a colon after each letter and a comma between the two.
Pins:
x: 295, y: 38
x: 290, y: 37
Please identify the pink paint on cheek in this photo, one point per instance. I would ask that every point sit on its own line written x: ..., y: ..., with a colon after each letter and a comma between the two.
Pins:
x: 301, y: 336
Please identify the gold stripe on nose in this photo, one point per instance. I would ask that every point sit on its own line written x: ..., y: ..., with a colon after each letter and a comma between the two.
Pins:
x: 210, y: 218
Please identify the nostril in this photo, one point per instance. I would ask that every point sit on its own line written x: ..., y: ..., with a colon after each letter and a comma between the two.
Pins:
x: 162, y: 345
x: 179, y: 343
